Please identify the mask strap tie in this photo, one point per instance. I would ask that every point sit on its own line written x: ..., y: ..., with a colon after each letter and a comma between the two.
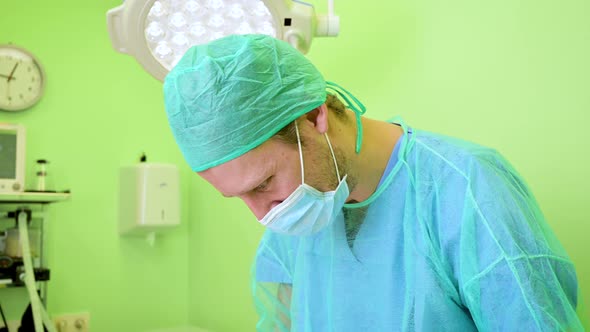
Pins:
x: 333, y: 157
x: 300, y: 153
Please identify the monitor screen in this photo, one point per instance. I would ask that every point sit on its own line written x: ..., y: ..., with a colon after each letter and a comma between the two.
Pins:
x: 8, y: 155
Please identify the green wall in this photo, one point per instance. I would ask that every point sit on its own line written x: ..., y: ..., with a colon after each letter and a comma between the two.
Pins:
x: 512, y: 75
x: 100, y: 111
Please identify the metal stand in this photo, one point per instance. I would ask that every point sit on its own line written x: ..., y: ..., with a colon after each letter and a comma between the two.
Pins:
x: 34, y: 205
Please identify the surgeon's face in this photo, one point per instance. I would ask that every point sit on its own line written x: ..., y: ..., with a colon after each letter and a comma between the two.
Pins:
x: 267, y: 175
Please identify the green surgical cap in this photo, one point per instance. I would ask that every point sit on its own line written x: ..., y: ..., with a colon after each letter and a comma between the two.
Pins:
x: 227, y: 97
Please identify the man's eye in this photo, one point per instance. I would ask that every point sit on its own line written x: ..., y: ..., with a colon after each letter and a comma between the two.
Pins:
x: 263, y: 185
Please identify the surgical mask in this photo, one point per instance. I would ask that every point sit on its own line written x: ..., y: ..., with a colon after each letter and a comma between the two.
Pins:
x: 307, y: 210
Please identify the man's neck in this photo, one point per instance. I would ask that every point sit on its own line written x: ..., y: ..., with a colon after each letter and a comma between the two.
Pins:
x: 379, y: 139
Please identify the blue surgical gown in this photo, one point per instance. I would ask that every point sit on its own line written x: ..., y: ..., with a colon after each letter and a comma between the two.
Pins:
x: 452, y: 240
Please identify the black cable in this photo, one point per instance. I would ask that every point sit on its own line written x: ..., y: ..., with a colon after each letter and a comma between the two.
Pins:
x: 3, y: 318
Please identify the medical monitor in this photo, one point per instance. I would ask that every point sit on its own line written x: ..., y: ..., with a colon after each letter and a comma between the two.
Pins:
x: 12, y: 157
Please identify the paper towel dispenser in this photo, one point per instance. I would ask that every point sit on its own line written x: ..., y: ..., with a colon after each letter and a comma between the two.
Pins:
x: 149, y: 198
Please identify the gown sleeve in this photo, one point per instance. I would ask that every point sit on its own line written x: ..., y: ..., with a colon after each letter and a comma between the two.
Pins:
x: 515, y: 274
x: 271, y: 281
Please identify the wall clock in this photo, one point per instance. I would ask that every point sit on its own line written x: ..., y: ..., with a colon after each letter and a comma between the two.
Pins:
x: 22, y: 78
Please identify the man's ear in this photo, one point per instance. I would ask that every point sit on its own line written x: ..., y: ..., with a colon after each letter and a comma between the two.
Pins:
x: 318, y: 117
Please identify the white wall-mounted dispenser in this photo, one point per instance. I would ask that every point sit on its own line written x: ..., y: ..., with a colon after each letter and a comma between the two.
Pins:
x: 149, y: 198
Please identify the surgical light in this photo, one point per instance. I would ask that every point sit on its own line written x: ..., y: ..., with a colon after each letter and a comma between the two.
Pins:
x: 158, y: 32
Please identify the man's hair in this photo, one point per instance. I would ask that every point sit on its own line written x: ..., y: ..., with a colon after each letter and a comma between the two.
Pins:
x: 289, y: 135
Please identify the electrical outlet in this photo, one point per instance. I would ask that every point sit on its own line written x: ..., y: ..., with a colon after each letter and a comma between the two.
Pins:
x: 79, y: 322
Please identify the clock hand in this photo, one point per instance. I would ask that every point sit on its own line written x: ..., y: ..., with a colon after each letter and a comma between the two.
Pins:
x: 12, y: 72
x: 4, y: 75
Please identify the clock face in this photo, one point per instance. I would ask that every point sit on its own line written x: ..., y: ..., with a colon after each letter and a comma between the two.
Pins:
x: 22, y: 79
